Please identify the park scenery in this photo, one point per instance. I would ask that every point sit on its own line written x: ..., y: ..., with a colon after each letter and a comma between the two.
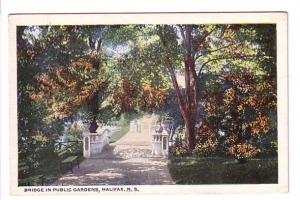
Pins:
x: 147, y: 104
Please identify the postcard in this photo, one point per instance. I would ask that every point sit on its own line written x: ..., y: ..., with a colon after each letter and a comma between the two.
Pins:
x: 148, y: 103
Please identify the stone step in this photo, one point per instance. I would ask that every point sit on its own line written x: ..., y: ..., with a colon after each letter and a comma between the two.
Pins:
x: 124, y: 152
x: 127, y: 151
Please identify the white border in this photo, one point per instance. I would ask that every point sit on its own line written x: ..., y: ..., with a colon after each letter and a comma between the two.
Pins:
x: 168, y: 18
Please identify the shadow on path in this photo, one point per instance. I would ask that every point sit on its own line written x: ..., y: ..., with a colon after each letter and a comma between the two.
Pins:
x: 119, y: 167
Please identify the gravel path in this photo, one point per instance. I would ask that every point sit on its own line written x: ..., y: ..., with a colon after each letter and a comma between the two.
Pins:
x: 126, y: 162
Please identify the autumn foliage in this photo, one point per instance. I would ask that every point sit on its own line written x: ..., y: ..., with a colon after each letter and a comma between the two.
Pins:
x: 75, y: 81
x: 240, y: 109
x: 125, y: 96
x: 226, y: 101
x: 128, y: 96
x: 243, y: 150
x: 153, y: 98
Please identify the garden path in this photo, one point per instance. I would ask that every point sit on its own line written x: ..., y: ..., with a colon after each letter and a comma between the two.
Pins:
x: 125, y: 162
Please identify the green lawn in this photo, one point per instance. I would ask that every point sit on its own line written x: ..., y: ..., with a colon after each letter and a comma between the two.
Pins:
x: 217, y: 170
x: 118, y: 134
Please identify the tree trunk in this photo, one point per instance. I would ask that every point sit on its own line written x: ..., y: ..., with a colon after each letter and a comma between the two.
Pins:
x: 192, y: 99
x: 190, y: 131
x: 188, y: 102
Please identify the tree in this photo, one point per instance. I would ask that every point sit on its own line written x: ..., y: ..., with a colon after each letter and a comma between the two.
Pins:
x: 82, y: 66
x: 204, y: 48
x: 33, y: 134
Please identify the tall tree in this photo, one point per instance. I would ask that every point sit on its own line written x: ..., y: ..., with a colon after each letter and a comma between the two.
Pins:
x: 201, y: 49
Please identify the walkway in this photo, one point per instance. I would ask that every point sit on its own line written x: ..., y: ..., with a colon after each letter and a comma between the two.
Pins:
x: 126, y: 162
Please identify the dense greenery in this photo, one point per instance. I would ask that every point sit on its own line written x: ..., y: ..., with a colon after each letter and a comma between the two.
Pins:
x: 226, y: 104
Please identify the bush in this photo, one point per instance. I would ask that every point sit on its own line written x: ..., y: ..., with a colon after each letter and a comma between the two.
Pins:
x: 243, y: 151
x: 181, y: 151
x: 206, y: 148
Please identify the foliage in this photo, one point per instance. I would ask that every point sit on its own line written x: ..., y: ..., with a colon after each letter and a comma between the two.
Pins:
x: 171, y: 111
x: 153, y: 98
x: 74, y: 132
x: 34, y: 136
x: 243, y: 151
x: 124, y: 97
x: 205, y: 133
x: 228, y: 98
x: 206, y: 148
x: 181, y: 151
x: 241, y: 105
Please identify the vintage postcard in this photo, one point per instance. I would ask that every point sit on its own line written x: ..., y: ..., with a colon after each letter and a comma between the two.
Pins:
x: 148, y: 103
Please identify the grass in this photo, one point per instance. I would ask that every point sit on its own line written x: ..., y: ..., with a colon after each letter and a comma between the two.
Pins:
x: 217, y: 170
x: 118, y: 134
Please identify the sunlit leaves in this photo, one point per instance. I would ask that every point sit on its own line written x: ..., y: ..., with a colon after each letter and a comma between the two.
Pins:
x: 243, y: 150
x: 152, y: 99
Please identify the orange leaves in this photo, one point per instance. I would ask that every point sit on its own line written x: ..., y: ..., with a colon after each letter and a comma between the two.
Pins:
x: 229, y: 96
x: 81, y: 65
x: 64, y: 109
x: 63, y: 89
x: 243, y: 109
x: 260, y: 126
x: 153, y: 98
x: 206, y: 148
x: 206, y: 140
x: 212, y: 100
x: 181, y: 150
x: 254, y: 92
x: 211, y: 108
x: 229, y: 35
x: 35, y: 97
x: 88, y: 91
x: 205, y: 133
x: 263, y: 86
x: 125, y: 96
x: 243, y: 150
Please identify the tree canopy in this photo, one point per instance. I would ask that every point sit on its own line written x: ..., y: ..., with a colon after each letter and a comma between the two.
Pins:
x: 101, y: 71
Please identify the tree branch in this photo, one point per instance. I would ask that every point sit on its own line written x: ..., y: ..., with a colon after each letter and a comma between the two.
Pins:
x: 168, y: 65
x: 224, y: 58
x: 224, y: 47
x: 187, y: 84
x: 180, y: 99
x: 202, y: 40
x: 99, y: 45
x: 215, y: 50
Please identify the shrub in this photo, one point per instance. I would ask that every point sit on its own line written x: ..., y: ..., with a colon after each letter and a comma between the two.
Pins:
x: 243, y: 151
x: 181, y: 151
x: 205, y: 133
x: 206, y: 148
